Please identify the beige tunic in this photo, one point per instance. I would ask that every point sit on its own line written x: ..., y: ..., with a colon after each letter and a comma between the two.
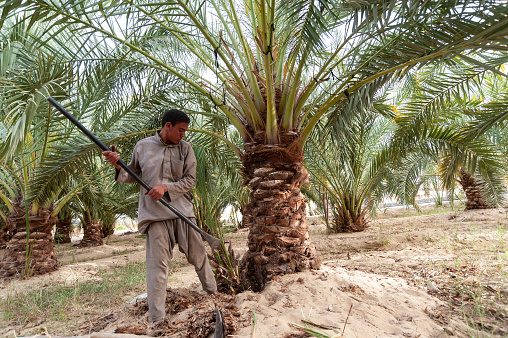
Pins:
x: 171, y: 164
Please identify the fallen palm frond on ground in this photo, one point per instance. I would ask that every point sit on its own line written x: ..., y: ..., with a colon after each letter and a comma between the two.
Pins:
x: 320, y: 334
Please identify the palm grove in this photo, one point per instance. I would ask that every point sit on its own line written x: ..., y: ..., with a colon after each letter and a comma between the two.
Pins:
x: 373, y: 98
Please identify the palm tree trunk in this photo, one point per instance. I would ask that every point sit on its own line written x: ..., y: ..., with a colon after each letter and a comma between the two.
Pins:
x: 32, y: 256
x: 92, y: 231
x: 4, y: 235
x: 473, y: 191
x: 326, y: 209
x: 107, y: 229
x: 63, y: 230
x: 278, y: 238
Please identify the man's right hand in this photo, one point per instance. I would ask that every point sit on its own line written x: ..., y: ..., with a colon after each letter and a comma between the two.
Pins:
x: 112, y: 157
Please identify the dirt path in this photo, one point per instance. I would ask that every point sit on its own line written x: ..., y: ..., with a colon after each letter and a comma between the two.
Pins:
x: 406, y: 276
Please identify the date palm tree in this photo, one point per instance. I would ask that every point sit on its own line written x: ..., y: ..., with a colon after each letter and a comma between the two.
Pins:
x: 441, y: 114
x: 347, y: 168
x: 275, y: 70
x: 101, y: 202
x: 27, y: 75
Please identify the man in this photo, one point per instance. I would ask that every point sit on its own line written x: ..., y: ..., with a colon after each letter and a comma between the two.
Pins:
x: 168, y: 165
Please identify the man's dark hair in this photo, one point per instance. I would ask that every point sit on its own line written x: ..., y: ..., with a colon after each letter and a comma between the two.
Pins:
x: 175, y: 116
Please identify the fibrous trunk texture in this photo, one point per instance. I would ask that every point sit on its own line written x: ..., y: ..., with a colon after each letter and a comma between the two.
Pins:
x: 32, y: 253
x: 349, y: 217
x: 4, y: 235
x: 474, y: 192
x: 278, y: 238
x: 107, y: 229
x: 63, y: 230
x: 92, y: 234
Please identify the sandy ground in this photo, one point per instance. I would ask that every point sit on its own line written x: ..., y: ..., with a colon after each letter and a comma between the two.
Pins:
x: 407, y: 275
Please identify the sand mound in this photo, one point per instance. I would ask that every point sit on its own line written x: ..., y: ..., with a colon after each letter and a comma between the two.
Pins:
x: 381, y: 306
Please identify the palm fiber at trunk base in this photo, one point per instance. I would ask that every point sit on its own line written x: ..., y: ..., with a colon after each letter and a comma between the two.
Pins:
x: 92, y: 235
x: 33, y: 255
x: 192, y: 313
x: 474, y: 191
x: 63, y: 230
x: 4, y: 235
x: 227, y: 279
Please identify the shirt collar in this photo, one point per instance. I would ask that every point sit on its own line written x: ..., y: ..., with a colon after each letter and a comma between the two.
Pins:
x: 170, y: 145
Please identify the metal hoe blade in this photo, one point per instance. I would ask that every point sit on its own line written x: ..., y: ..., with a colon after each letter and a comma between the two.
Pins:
x: 219, y: 324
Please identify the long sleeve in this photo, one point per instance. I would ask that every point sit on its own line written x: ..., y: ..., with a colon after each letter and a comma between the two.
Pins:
x: 124, y: 177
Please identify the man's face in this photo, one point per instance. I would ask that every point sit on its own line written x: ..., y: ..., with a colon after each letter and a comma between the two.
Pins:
x: 174, y: 134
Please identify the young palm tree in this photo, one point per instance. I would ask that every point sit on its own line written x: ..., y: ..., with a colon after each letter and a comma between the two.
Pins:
x: 116, y: 201
x: 488, y: 123
x: 90, y: 195
x: 346, y: 168
x: 280, y: 68
x: 437, y: 126
x: 215, y: 191
x: 101, y: 202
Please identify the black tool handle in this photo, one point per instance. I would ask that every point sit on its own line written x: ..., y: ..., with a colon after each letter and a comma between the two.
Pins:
x: 214, y: 242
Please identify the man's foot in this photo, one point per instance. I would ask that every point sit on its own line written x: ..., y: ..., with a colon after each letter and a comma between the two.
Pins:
x: 156, y: 322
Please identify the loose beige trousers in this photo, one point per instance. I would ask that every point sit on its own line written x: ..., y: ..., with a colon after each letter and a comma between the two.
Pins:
x: 161, y: 238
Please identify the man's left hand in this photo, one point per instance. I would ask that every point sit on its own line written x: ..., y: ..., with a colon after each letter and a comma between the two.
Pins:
x: 157, y: 192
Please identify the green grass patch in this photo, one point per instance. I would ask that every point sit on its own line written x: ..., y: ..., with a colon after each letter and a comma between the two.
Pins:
x: 57, y: 302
